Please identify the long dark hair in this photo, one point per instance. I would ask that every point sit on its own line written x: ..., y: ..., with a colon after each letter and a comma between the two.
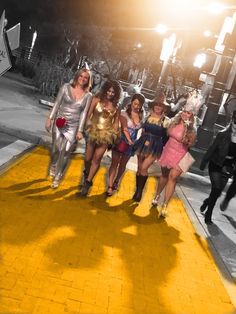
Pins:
x: 141, y: 100
x: 117, y: 90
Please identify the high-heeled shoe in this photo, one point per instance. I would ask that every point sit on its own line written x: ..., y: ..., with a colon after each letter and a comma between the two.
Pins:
x: 52, y: 171
x: 163, y: 212
x: 115, y: 185
x: 155, y: 200
x: 109, y: 191
x: 56, y: 182
x: 86, y: 186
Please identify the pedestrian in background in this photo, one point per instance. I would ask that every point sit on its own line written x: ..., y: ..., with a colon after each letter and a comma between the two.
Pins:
x: 182, y: 135
x: 130, y: 121
x: 151, y: 142
x: 67, y: 119
x: 103, y: 131
x: 97, y: 83
x: 221, y: 157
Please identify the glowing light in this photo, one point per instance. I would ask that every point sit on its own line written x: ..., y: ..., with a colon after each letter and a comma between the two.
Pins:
x: 227, y: 27
x: 161, y: 28
x: 207, y: 33
x: 216, y: 8
x: 32, y: 44
x: 199, y: 60
x: 139, y: 45
x: 167, y: 47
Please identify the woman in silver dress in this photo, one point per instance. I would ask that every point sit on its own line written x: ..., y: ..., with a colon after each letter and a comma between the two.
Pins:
x: 67, y: 120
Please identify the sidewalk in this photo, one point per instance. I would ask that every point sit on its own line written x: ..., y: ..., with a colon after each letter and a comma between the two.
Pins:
x: 22, y: 116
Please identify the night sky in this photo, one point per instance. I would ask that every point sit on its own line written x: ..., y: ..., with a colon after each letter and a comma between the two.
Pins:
x: 125, y: 13
x: 130, y: 19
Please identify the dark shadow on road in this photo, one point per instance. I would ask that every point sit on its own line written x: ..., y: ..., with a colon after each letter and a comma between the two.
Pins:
x: 24, y: 185
x: 75, y: 237
x: 231, y: 220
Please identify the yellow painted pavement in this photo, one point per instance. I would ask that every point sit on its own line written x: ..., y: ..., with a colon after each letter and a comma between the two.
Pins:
x: 66, y: 254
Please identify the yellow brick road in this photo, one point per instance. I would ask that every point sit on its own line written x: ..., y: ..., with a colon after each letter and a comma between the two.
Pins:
x: 65, y: 254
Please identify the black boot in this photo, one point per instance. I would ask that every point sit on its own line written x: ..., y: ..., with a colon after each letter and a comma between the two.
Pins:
x: 136, y: 190
x: 204, y: 205
x: 85, y: 175
x: 208, y: 215
x: 140, y: 186
x: 86, y: 186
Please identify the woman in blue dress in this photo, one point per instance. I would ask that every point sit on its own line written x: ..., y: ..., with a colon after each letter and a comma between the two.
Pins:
x: 130, y: 121
x: 150, y: 144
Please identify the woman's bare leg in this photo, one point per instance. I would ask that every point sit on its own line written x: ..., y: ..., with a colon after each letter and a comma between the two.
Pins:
x: 147, y: 162
x: 122, y: 166
x: 161, y: 185
x: 113, y: 169
x: 96, y: 161
x: 171, y: 183
x: 90, y: 149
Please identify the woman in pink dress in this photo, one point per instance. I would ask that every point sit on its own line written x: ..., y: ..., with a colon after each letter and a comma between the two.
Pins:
x: 182, y: 135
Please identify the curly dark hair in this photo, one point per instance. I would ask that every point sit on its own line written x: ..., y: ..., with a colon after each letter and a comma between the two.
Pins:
x: 117, y: 89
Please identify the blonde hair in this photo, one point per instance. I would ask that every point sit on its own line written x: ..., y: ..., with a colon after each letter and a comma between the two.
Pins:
x: 188, y: 129
x: 76, y: 76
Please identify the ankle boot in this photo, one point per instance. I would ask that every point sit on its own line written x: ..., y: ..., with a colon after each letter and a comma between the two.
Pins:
x: 86, y: 186
x: 141, y: 183
x: 208, y: 215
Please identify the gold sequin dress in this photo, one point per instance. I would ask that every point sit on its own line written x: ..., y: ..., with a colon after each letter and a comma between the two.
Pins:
x: 101, y: 130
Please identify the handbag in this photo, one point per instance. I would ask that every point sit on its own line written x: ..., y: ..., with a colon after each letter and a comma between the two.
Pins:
x: 60, y: 122
x: 122, y: 147
x: 186, y: 162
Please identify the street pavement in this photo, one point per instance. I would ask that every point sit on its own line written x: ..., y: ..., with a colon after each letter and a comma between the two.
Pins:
x: 22, y: 119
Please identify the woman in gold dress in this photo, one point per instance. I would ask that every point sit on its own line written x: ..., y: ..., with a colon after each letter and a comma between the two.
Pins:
x: 103, y: 129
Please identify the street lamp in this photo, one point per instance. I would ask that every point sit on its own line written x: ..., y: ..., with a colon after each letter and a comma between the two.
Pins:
x: 216, y: 8
x: 166, y: 52
x: 33, y: 43
x: 161, y: 28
